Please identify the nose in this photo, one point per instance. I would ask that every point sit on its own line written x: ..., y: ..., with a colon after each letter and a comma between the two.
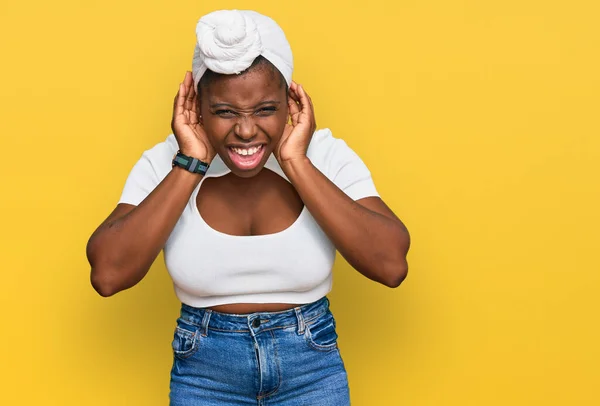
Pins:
x: 245, y: 128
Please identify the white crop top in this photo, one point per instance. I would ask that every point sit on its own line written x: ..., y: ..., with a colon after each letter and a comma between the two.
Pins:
x: 209, y: 268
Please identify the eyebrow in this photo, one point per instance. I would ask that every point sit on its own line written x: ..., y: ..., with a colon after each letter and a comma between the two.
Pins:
x: 231, y: 105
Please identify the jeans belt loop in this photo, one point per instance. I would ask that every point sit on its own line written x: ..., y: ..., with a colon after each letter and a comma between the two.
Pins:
x: 205, y: 320
x: 300, y: 320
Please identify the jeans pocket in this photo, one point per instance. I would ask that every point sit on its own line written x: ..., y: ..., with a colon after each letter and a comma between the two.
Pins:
x: 321, y: 334
x: 185, y: 340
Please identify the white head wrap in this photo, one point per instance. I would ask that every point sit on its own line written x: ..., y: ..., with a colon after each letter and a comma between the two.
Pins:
x: 228, y: 41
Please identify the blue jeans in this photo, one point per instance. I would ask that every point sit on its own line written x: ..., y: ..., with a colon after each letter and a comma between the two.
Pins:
x: 285, y: 358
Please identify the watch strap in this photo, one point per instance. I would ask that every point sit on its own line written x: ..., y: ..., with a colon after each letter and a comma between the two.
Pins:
x: 190, y: 164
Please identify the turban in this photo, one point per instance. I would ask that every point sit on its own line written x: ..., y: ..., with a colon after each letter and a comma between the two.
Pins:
x: 228, y: 41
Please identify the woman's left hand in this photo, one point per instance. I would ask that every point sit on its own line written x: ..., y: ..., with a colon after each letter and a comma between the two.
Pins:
x: 297, y: 135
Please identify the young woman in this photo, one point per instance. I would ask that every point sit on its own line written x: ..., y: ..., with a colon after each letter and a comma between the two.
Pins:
x: 249, y: 203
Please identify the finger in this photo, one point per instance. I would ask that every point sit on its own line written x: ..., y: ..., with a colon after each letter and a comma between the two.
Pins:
x: 188, y: 81
x: 189, y: 87
x: 305, y: 104
x: 293, y: 99
x: 191, y: 95
x: 183, y: 83
x: 294, y: 104
x: 179, y: 104
x: 294, y: 92
x: 307, y: 115
x: 312, y: 109
x: 294, y: 111
x: 308, y: 97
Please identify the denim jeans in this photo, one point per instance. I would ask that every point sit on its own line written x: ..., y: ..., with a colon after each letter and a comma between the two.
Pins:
x: 285, y: 358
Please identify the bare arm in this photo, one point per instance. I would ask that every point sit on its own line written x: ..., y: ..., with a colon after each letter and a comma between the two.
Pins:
x: 126, y: 244
x: 366, y: 232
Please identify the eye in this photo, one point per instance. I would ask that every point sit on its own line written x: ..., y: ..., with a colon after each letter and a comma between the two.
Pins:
x: 266, y: 111
x: 225, y: 113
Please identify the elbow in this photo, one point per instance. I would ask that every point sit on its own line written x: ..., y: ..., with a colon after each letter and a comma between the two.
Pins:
x: 102, y: 276
x: 397, y: 268
x: 102, y: 284
x: 396, y: 274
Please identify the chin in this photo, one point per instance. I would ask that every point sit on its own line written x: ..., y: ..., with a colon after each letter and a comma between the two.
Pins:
x: 246, y: 174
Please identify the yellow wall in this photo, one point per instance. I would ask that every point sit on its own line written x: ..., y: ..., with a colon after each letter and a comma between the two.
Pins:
x: 478, y: 119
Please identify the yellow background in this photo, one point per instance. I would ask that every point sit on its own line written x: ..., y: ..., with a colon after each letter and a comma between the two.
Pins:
x: 478, y: 120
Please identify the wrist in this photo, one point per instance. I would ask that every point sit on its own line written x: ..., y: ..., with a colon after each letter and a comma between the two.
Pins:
x: 199, y: 155
x: 186, y: 175
x: 291, y: 166
x: 203, y: 157
x: 190, y: 163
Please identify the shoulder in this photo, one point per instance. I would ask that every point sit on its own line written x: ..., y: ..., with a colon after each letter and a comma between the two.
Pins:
x: 340, y: 164
x: 152, y: 167
x: 160, y: 156
x: 321, y: 140
x: 328, y: 153
x: 162, y: 150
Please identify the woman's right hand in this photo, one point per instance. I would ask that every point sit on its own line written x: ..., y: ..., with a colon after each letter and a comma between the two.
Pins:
x: 186, y: 126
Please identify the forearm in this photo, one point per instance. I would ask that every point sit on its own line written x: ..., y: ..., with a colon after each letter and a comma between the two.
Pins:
x: 373, y: 243
x: 123, y: 248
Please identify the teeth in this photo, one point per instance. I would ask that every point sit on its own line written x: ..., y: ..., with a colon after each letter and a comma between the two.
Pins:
x: 247, y: 151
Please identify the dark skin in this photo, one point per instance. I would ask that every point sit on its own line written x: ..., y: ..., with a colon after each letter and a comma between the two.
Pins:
x: 244, y: 203
x: 246, y: 110
x: 237, y: 111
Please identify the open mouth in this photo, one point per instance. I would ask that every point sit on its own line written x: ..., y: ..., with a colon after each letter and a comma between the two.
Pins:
x: 246, y: 158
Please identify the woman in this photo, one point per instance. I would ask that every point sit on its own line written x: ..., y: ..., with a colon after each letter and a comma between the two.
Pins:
x: 249, y: 203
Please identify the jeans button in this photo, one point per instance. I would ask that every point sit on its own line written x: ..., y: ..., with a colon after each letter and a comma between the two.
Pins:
x: 256, y: 323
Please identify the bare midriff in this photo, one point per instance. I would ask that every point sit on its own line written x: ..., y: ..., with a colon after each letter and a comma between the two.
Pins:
x: 244, y: 308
